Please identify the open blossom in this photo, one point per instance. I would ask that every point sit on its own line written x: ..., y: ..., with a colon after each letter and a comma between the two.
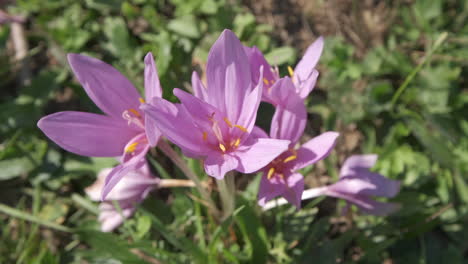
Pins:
x: 128, y: 193
x: 304, y: 76
x: 280, y: 177
x: 217, y: 124
x: 123, y: 130
x: 357, y: 185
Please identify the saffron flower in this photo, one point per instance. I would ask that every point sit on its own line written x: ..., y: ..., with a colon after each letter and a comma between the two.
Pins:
x: 357, y: 185
x: 304, y: 75
x: 128, y: 193
x: 122, y: 131
x: 281, y: 176
x: 217, y: 124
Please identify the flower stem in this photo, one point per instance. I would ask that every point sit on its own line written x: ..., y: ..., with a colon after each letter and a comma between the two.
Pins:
x: 227, y: 189
x: 179, y: 162
x: 171, y: 183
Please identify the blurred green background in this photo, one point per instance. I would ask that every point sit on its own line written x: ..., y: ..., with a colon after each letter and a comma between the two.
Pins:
x: 393, y: 81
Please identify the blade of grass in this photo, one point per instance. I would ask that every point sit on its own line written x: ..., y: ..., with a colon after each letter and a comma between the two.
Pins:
x: 31, y: 218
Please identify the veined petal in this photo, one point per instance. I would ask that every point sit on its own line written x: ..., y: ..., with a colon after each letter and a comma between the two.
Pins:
x: 177, y: 125
x: 295, y: 187
x: 249, y: 110
x: 87, y: 134
x: 259, y: 154
x: 290, y: 116
x: 228, y: 75
x: 107, y: 87
x: 308, y: 62
x: 315, y: 149
x: 257, y: 132
x: 199, y: 90
x: 152, y: 85
x: 257, y: 61
x: 217, y: 165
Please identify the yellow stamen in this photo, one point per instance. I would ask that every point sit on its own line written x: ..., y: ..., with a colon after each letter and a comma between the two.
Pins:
x: 205, y: 135
x: 266, y: 81
x: 270, y: 173
x: 288, y: 159
x: 227, y: 122
x: 141, y: 100
x: 281, y: 175
x: 222, y: 147
x: 291, y: 71
x: 236, y: 144
x: 135, y: 112
x: 131, y: 148
x: 241, y: 128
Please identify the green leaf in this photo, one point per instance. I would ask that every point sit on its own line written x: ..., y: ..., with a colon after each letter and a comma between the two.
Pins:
x: 186, y: 26
x: 281, y: 56
x: 16, y: 167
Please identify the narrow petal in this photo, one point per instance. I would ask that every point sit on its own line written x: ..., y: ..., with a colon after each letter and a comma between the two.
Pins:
x: 217, y: 165
x: 315, y: 149
x: 199, y: 90
x: 228, y: 74
x: 152, y: 85
x: 87, y: 134
x: 357, y: 162
x: 152, y: 132
x: 305, y: 87
x: 116, y: 175
x: 269, y: 189
x: 372, y: 184
x: 295, y: 187
x: 177, y: 125
x: 258, y: 61
x: 107, y: 87
x: 258, y: 155
x: 290, y: 116
x: 308, y: 62
x: 366, y: 204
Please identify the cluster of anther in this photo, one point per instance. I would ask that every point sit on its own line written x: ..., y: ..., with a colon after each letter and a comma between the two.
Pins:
x: 280, y: 166
x: 225, y: 143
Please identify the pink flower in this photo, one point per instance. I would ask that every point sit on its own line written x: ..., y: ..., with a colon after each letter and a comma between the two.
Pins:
x: 128, y: 193
x: 122, y: 131
x: 280, y: 177
x: 357, y: 185
x: 217, y: 124
x: 304, y: 76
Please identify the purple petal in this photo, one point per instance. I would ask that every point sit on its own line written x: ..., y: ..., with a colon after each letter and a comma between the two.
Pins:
x: 177, y: 125
x: 116, y: 175
x: 199, y: 90
x: 257, y: 132
x: 308, y: 62
x: 290, y: 116
x: 107, y: 87
x: 228, y: 75
x: 152, y: 86
x: 315, y: 149
x: 250, y: 108
x: 269, y: 189
x: 111, y: 218
x: 357, y: 162
x: 152, y: 132
x: 257, y: 61
x: 369, y: 183
x: 258, y: 155
x: 293, y: 192
x: 217, y: 165
x: 366, y: 204
x: 305, y: 87
x: 87, y: 134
